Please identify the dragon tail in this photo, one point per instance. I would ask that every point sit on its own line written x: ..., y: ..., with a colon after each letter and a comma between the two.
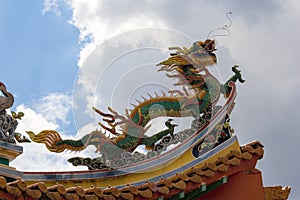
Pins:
x: 53, y: 141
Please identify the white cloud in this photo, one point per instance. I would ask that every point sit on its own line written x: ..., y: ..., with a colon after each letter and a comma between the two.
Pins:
x: 55, y: 107
x: 85, y: 52
x: 96, y: 24
x: 51, y: 6
x: 33, y: 121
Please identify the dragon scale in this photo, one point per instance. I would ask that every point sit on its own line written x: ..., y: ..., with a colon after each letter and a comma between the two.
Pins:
x: 177, y: 106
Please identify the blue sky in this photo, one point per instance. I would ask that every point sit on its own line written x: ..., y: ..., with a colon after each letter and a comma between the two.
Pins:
x: 39, y: 51
x: 52, y: 53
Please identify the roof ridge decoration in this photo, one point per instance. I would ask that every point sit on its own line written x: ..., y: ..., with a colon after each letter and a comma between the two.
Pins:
x: 198, y: 98
x: 9, y: 123
x: 9, y: 149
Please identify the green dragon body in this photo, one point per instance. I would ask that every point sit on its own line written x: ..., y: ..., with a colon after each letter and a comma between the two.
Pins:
x: 201, y: 90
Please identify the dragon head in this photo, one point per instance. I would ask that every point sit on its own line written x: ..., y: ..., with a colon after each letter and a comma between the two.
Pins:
x: 207, y: 46
x: 199, y: 56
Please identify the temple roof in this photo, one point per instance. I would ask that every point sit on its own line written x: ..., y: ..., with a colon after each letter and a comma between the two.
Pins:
x: 276, y: 192
x: 179, y: 184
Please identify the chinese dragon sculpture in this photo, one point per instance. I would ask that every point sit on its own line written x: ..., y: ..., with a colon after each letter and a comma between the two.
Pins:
x: 198, y: 97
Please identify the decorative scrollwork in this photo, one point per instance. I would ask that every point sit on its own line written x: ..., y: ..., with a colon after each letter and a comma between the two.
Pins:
x: 8, y: 126
x: 220, y: 134
x: 96, y: 163
x: 76, y: 161
x: 159, y: 147
x: 166, y: 139
x: 9, y: 123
